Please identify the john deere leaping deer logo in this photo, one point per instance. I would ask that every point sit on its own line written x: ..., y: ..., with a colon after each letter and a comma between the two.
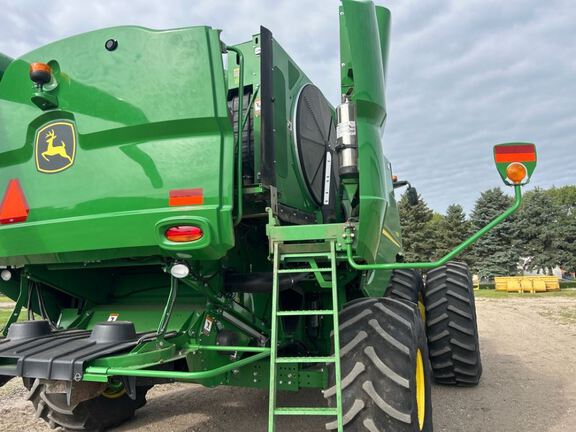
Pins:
x: 55, y: 147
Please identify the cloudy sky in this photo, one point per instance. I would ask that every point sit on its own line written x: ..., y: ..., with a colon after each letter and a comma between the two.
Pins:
x: 463, y: 75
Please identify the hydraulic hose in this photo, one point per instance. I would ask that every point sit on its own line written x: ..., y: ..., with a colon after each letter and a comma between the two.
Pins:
x: 167, y: 314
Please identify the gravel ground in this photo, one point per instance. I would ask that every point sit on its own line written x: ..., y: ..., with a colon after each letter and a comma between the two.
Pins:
x: 529, y: 385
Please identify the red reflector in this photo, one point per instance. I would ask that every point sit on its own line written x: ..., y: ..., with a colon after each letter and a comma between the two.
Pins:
x: 525, y: 148
x: 185, y: 197
x: 14, y: 207
x: 515, y: 157
x: 184, y: 233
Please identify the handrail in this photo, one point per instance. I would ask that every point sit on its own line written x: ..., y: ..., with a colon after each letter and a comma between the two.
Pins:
x: 427, y: 265
x: 239, y: 179
x: 149, y: 373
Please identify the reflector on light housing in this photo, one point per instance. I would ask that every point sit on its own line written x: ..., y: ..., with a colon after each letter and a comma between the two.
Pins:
x: 184, y: 233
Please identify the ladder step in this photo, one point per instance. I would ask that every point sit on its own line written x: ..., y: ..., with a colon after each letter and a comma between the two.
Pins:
x: 305, y: 312
x: 330, y: 359
x: 306, y: 411
x: 305, y: 256
x: 306, y: 270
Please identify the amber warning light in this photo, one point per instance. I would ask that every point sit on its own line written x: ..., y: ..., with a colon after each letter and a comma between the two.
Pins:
x: 40, y: 73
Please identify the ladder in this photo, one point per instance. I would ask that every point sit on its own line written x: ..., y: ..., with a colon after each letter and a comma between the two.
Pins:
x: 309, y: 257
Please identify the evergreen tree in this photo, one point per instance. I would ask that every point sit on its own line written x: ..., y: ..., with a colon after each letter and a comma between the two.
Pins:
x: 418, y: 237
x: 453, y: 229
x: 565, y: 240
x: 494, y: 254
x: 538, y: 231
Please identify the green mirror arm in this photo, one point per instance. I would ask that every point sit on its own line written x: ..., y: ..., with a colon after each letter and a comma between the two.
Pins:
x: 454, y: 252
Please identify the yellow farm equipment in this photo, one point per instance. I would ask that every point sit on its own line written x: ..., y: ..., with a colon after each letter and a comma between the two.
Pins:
x: 531, y: 284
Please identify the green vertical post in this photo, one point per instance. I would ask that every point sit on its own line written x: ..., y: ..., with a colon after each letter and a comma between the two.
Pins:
x: 336, y: 325
x: 239, y: 179
x: 168, y: 308
x: 273, y: 342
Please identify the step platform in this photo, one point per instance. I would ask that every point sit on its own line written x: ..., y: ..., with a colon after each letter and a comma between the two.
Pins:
x: 32, y: 350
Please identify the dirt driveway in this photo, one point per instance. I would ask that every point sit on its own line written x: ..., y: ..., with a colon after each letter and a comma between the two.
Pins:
x: 529, y: 385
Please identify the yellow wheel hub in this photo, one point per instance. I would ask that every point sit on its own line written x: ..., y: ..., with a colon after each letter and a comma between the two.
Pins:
x: 420, y: 390
x: 421, y: 307
x: 114, y: 392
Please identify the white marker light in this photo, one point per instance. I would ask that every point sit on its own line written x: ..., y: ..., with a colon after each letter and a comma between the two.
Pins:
x: 179, y: 271
x: 6, y: 275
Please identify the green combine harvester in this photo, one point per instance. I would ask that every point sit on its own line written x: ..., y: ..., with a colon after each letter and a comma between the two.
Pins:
x: 179, y: 210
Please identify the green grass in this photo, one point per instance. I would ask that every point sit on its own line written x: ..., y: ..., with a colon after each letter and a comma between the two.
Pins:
x: 490, y: 293
x: 5, y: 311
x: 4, y: 315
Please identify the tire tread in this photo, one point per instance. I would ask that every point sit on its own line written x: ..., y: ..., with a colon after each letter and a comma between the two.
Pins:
x: 451, y: 325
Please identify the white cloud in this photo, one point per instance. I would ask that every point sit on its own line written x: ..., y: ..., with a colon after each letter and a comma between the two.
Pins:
x: 462, y: 75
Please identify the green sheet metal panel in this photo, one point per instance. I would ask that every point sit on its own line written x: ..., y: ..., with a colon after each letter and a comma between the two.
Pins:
x: 364, y: 38
x: 150, y: 116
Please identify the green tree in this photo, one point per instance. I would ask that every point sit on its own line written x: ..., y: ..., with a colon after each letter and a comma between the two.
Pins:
x: 494, y: 254
x: 565, y: 240
x: 538, y: 231
x: 418, y: 236
x: 453, y: 229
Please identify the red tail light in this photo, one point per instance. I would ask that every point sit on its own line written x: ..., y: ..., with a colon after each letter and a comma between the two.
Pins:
x: 183, y: 233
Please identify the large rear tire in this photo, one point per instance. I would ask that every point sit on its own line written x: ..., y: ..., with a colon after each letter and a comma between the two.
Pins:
x: 405, y: 284
x: 97, y: 414
x: 452, y: 325
x: 385, y: 378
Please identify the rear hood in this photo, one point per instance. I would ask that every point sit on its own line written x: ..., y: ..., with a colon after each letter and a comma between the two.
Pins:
x: 132, y: 126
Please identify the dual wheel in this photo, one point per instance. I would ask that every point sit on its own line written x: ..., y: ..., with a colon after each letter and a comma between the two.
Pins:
x: 447, y: 299
x: 392, y: 348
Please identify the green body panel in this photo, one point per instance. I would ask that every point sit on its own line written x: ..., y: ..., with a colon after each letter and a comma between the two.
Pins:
x: 364, y: 39
x: 288, y: 80
x: 150, y: 116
